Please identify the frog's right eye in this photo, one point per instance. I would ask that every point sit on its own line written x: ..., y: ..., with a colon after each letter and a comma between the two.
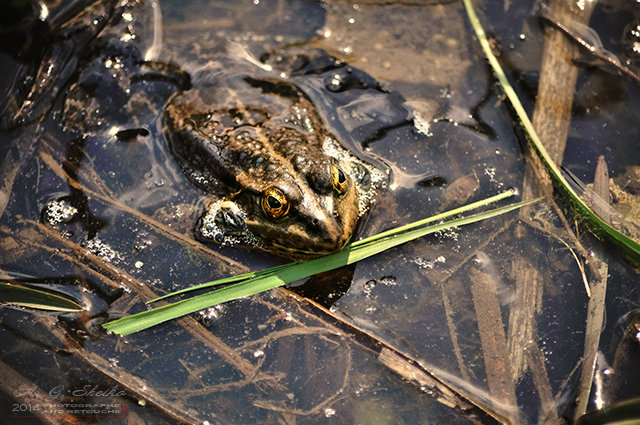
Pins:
x: 339, y: 180
x: 275, y: 203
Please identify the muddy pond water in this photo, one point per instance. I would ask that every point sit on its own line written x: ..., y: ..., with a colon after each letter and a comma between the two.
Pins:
x: 526, y: 318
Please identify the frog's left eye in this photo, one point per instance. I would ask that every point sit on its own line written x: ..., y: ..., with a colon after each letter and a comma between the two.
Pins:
x: 339, y: 180
x: 275, y: 203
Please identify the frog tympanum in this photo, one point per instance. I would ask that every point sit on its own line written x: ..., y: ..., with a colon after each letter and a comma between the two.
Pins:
x: 292, y: 188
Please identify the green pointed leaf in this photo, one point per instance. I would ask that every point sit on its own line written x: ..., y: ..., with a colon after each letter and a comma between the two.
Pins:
x: 281, y: 275
x: 629, y: 247
x: 356, y: 244
x: 25, y: 296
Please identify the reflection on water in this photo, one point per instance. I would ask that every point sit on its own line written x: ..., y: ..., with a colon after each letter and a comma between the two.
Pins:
x: 485, y: 322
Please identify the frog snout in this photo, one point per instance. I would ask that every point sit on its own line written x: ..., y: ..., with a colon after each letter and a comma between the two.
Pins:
x: 330, y: 235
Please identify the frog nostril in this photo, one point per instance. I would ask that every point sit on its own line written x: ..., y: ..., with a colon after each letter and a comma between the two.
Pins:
x: 315, y: 222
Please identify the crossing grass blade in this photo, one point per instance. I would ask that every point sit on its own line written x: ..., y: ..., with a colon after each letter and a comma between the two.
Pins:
x: 628, y: 247
x: 442, y: 216
x: 254, y: 283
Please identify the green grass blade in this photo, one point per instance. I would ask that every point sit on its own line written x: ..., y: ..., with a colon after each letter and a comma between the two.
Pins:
x: 286, y: 274
x: 226, y: 280
x: 628, y: 246
x: 251, y: 275
x: 446, y: 214
x: 25, y: 296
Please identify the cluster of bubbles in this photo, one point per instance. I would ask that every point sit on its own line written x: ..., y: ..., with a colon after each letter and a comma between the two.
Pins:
x: 101, y: 249
x: 59, y: 211
x: 210, y: 315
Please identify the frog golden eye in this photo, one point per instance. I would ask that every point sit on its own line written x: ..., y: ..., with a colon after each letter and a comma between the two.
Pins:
x: 339, y: 180
x: 275, y: 203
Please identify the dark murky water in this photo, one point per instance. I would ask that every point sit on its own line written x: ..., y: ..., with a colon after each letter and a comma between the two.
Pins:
x: 485, y: 322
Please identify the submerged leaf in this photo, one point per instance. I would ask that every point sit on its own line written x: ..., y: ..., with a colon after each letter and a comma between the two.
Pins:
x: 25, y: 296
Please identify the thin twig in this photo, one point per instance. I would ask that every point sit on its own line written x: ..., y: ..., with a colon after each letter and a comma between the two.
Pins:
x: 232, y: 265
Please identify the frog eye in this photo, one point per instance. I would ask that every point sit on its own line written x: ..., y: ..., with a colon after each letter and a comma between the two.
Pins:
x: 275, y: 203
x: 339, y: 180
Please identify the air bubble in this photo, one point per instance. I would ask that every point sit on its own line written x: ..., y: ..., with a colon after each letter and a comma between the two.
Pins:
x: 329, y: 412
x: 334, y: 83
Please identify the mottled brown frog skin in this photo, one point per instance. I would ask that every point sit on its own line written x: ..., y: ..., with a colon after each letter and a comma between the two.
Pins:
x: 292, y: 189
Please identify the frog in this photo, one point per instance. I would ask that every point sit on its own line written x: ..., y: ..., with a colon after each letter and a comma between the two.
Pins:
x: 291, y: 187
x: 320, y: 191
